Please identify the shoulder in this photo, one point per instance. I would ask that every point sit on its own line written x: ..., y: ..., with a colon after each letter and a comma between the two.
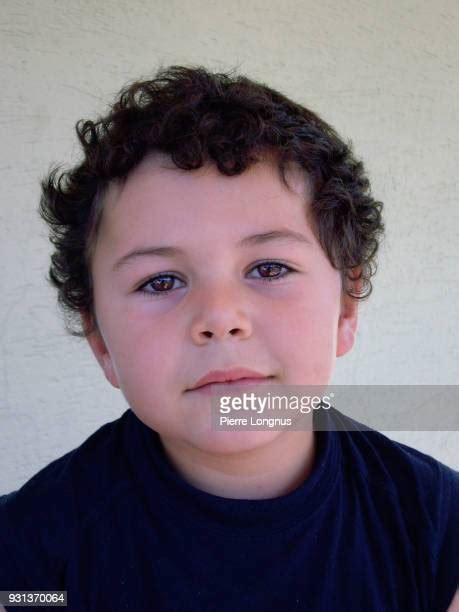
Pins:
x: 422, y: 491
x: 405, y: 472
x: 85, y: 475
x: 422, y: 485
x: 393, y: 465
x: 39, y: 521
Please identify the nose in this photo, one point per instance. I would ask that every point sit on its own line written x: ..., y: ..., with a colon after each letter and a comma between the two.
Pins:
x: 221, y: 313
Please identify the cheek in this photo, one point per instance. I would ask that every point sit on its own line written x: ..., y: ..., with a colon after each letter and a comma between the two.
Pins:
x: 305, y: 318
x: 143, y: 352
x: 303, y: 336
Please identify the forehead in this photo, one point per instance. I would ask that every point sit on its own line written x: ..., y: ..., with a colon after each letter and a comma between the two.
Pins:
x: 161, y: 199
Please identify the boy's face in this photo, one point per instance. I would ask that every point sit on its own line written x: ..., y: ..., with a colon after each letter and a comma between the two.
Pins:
x: 219, y: 313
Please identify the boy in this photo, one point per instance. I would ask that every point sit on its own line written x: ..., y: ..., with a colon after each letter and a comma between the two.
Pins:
x: 217, y: 232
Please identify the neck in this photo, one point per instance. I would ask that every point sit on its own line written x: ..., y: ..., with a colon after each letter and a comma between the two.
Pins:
x: 271, y: 470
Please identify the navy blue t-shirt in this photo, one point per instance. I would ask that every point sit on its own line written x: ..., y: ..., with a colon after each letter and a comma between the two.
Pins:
x: 373, y: 528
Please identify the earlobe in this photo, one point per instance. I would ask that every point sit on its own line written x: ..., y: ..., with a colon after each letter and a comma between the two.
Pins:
x: 347, y: 324
x: 347, y: 328
x: 100, y: 351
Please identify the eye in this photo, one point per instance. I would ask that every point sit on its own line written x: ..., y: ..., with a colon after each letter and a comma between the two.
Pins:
x: 270, y: 270
x: 161, y: 284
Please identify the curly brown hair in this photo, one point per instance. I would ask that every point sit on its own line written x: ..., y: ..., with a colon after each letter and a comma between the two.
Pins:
x: 200, y: 117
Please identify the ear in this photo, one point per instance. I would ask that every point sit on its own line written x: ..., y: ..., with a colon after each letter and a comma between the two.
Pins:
x: 347, y: 323
x: 99, y: 348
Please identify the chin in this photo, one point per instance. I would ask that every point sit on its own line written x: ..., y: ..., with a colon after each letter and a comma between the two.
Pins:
x: 231, y: 442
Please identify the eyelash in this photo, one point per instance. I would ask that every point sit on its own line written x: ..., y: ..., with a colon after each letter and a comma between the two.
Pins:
x: 268, y: 279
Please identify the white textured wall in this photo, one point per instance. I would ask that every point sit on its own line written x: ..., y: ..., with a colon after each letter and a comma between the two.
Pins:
x: 383, y: 73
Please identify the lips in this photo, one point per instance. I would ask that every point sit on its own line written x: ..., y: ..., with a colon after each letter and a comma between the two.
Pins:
x: 227, y: 376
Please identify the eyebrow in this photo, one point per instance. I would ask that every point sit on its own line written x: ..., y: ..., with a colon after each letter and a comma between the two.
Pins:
x: 171, y: 251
